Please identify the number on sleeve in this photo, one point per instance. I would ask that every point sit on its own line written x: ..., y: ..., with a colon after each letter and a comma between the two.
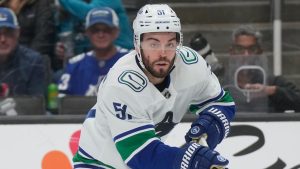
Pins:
x: 64, y: 82
x: 121, y: 111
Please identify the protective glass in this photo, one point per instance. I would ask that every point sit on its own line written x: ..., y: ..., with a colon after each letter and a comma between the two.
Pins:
x: 245, y: 78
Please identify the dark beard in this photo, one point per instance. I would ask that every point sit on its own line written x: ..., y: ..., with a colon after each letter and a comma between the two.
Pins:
x: 161, y: 73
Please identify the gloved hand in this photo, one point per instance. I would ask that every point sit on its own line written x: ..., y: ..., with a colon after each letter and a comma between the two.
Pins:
x: 196, y: 156
x: 211, y: 122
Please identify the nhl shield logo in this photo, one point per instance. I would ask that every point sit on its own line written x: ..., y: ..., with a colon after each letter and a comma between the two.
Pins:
x: 221, y: 158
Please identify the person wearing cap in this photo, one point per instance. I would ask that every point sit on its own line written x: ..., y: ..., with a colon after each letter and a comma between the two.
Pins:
x: 201, y: 45
x: 70, y: 28
x: 36, y: 21
x: 79, y: 9
x: 84, y: 72
x: 21, y: 68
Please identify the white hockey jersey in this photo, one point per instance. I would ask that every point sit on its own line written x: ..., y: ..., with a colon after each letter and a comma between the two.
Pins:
x: 131, y: 113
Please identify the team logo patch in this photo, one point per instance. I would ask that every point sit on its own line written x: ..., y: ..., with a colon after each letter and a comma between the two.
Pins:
x: 221, y: 158
x: 195, y: 130
x: 188, y: 56
x: 133, y: 79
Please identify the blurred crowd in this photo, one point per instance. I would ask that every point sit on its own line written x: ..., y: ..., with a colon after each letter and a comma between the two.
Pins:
x: 247, y: 76
x: 54, y: 48
x: 46, y: 46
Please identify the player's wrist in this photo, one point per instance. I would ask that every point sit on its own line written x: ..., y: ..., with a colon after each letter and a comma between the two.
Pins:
x: 220, y: 119
x: 184, y: 158
x: 196, y: 156
x: 212, y: 123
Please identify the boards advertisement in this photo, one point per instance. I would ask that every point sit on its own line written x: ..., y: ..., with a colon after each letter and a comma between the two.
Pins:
x: 259, y: 145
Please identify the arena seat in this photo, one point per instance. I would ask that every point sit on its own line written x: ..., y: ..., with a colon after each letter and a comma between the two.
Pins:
x: 28, y: 105
x: 76, y: 104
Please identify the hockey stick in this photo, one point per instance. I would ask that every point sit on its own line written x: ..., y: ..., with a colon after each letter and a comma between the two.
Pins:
x: 202, y: 141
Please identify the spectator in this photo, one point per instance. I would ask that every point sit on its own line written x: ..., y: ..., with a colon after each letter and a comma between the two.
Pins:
x: 70, y: 38
x: 201, y: 45
x: 21, y: 68
x: 85, y: 71
x: 78, y: 10
x: 36, y: 25
x: 281, y: 94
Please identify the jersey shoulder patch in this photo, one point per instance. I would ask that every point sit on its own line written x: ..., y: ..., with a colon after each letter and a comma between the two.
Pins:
x: 188, y: 55
x: 76, y: 58
x: 133, y: 79
x: 79, y: 57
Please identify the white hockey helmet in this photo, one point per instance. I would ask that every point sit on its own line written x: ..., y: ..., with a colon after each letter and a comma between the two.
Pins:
x: 156, y: 18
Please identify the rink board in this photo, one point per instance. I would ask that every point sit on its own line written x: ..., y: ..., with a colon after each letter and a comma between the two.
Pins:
x: 251, y: 145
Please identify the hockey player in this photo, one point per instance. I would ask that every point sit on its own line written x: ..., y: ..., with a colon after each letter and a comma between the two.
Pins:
x: 146, y: 93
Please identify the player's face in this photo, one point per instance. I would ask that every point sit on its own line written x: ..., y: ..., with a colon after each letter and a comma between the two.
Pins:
x: 158, y: 50
x: 8, y: 41
x: 102, y: 36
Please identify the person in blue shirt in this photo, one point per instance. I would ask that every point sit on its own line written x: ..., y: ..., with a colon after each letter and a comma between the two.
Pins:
x: 84, y: 72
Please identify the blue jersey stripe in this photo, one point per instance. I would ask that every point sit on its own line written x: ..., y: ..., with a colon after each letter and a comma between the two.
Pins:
x: 86, y: 166
x: 149, y: 126
x: 91, y: 114
x: 82, y: 160
x: 211, y: 100
x: 84, y: 153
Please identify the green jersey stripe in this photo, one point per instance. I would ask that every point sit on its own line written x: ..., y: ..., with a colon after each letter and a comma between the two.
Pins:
x: 127, y: 146
x: 80, y: 159
x: 225, y: 100
x: 140, y: 148
x: 197, y: 110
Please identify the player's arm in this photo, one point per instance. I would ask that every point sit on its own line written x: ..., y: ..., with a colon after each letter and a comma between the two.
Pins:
x: 215, y: 108
x: 137, y: 143
x: 160, y: 156
x: 140, y: 148
x: 213, y: 120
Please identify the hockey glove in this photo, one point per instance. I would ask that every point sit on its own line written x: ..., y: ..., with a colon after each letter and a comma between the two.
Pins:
x: 196, y: 156
x: 213, y: 123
